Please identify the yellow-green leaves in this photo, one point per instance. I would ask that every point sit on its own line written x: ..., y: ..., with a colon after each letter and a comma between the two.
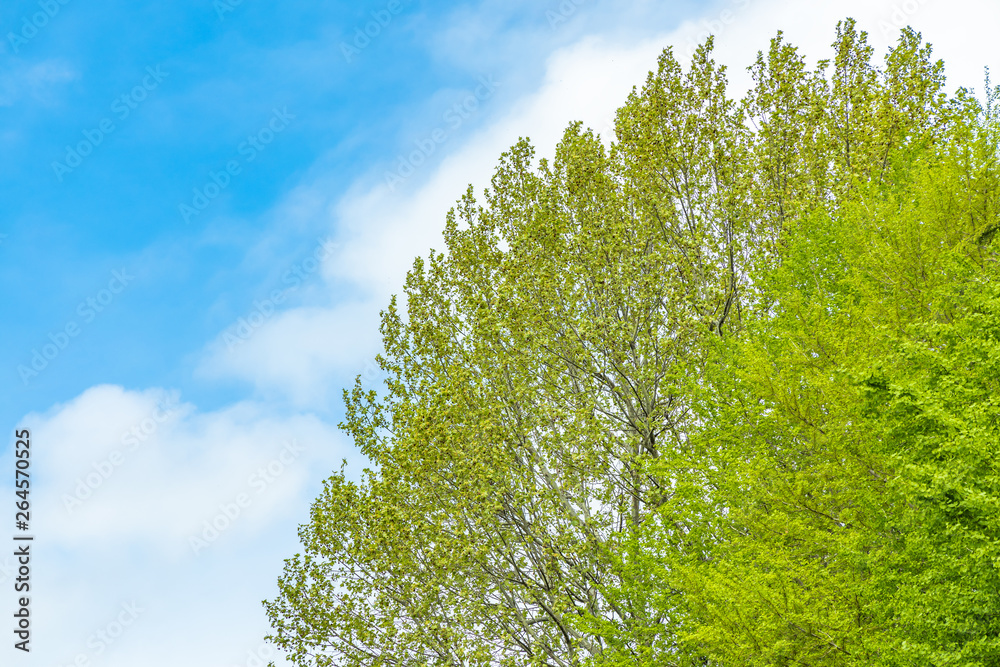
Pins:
x: 722, y: 394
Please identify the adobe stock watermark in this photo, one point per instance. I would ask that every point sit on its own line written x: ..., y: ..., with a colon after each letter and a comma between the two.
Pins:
x: 901, y: 16
x: 263, y: 309
x: 370, y: 372
x: 37, y: 21
x: 248, y: 150
x: 716, y: 25
x: 259, y: 658
x: 363, y: 35
x: 230, y: 511
x: 223, y: 7
x: 453, y: 117
x: 122, y: 107
x: 563, y: 12
x: 88, y: 310
x: 7, y: 569
x: 105, y: 637
x: 102, y: 470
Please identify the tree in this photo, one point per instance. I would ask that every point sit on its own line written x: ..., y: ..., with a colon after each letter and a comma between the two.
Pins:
x: 629, y: 414
x: 828, y: 552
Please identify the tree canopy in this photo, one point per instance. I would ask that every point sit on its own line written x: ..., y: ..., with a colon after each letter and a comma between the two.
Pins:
x: 722, y: 393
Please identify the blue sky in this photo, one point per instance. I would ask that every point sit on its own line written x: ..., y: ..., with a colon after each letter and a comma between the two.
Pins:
x: 204, y: 207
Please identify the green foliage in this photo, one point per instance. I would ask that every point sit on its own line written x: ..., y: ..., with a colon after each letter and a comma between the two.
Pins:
x: 722, y: 394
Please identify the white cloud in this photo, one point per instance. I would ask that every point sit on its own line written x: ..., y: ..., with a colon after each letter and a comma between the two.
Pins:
x: 39, y: 80
x: 121, y: 467
x: 300, y: 352
x: 146, y: 473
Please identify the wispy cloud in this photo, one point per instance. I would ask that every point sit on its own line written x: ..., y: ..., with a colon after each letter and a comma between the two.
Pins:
x: 40, y: 81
